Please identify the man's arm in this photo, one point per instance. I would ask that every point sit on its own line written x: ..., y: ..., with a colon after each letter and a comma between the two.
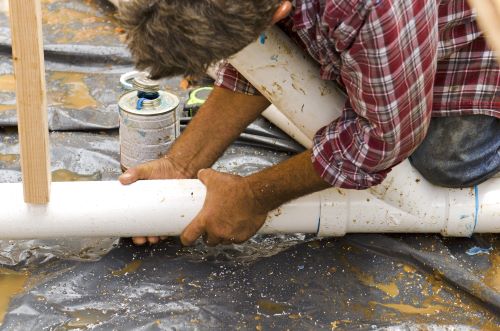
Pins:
x: 216, y: 125
x: 286, y: 181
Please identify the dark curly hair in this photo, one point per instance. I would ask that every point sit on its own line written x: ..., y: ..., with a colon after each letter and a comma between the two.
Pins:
x: 184, y: 37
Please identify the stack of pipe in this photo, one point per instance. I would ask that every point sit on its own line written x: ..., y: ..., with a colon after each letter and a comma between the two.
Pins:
x: 404, y: 202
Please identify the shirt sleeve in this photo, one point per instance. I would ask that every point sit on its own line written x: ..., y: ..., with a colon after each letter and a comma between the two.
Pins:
x: 228, y: 77
x: 388, y: 71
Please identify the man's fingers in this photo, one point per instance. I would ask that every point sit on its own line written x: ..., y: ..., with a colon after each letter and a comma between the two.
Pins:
x: 132, y: 175
x: 211, y: 240
x: 139, y: 241
x: 153, y: 240
x: 197, y: 227
x: 193, y: 231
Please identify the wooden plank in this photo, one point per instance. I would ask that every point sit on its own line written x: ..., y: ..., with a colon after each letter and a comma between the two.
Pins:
x: 29, y: 69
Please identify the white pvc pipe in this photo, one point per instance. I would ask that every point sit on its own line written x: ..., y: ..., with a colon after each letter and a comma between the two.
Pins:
x: 279, y: 69
x: 404, y: 202
x: 273, y: 115
x: 99, y: 209
x: 165, y: 207
x: 116, y: 3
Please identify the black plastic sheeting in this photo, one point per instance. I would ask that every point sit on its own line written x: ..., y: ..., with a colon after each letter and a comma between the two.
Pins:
x: 296, y: 282
x: 355, y: 282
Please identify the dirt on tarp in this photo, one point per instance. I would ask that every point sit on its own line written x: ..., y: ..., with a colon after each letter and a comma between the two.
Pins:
x: 295, y: 282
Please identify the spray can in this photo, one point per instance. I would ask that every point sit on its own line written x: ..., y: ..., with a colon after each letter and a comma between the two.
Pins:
x: 148, y: 122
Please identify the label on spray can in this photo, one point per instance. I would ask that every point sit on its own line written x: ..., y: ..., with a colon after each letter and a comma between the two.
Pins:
x: 148, y: 123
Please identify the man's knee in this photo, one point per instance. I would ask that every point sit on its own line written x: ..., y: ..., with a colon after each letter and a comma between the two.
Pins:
x: 459, y: 151
x: 440, y: 172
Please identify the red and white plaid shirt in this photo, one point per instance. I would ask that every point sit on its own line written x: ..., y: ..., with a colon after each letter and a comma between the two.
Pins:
x: 400, y: 62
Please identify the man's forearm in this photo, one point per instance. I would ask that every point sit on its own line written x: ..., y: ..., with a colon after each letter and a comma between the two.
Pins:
x: 286, y: 181
x: 216, y: 125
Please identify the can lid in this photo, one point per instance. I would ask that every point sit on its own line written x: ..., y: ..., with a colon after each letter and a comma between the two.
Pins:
x: 142, y: 83
x: 166, y: 102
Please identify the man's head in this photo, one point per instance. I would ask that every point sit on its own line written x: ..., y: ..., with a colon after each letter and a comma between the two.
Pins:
x: 184, y: 37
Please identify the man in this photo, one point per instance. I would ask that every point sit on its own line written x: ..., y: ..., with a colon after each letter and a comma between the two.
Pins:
x: 400, y: 62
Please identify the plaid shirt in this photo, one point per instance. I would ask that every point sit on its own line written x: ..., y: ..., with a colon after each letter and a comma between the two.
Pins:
x: 400, y: 62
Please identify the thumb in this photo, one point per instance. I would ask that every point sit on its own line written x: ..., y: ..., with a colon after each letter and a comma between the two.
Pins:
x: 132, y: 175
x: 205, y: 175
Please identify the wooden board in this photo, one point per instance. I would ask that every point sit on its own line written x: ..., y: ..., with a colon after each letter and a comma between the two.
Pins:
x: 29, y: 69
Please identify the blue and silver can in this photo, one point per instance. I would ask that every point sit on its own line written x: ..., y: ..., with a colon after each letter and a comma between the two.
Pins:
x: 148, y: 122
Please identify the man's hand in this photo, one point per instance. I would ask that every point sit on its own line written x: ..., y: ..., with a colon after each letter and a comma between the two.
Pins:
x: 164, y: 168
x: 236, y: 207
x: 230, y: 214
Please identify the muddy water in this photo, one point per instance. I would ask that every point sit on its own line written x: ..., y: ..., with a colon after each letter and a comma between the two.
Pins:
x: 391, y: 289
x: 492, y: 276
x: 413, y: 295
x: 60, y: 175
x: 11, y: 284
x: 412, y: 310
x: 128, y: 269
x: 82, y: 319
x: 437, y: 300
x: 7, y: 107
x: 9, y: 158
x: 7, y: 83
x: 66, y: 16
x: 271, y: 308
x: 62, y: 22
x: 63, y: 175
x: 74, y: 93
x: 69, y: 24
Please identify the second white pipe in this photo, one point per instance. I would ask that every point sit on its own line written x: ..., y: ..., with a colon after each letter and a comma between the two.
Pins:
x: 304, y: 103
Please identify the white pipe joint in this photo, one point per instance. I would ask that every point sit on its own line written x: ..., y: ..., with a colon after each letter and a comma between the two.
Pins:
x: 165, y: 207
x: 405, y: 201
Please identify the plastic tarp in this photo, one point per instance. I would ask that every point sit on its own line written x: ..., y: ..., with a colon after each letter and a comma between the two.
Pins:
x: 296, y: 282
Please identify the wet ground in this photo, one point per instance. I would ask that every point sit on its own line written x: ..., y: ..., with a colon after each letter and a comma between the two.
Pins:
x: 291, y: 282
x: 297, y: 283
